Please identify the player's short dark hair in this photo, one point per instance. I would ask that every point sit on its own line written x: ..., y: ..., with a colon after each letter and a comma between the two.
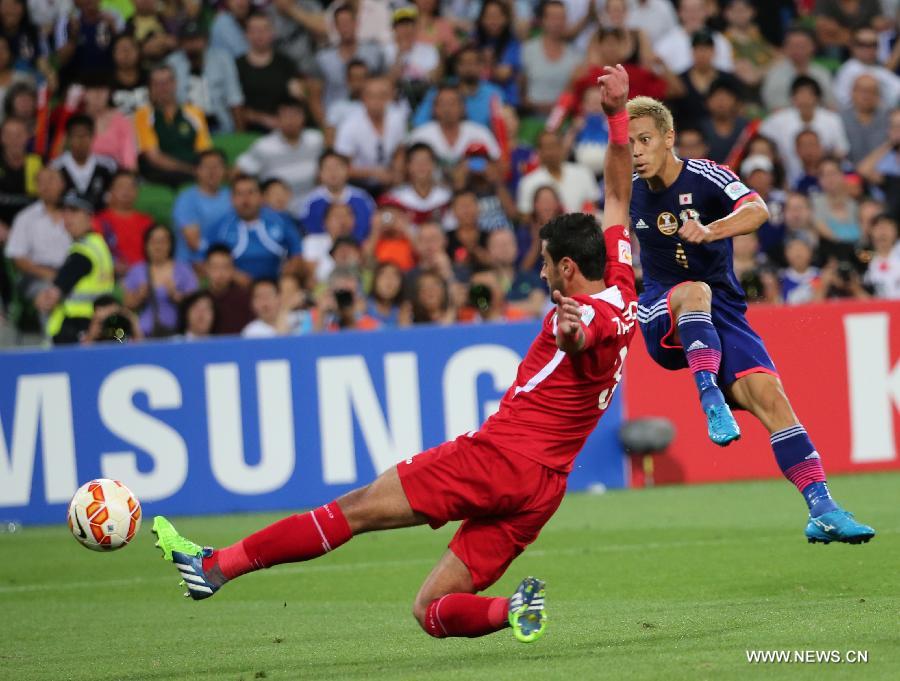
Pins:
x: 80, y: 121
x: 803, y: 81
x: 577, y: 236
x: 218, y: 249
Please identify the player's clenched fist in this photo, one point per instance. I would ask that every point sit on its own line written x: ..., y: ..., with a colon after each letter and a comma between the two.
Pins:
x: 568, y: 315
x: 694, y: 233
x: 613, y: 89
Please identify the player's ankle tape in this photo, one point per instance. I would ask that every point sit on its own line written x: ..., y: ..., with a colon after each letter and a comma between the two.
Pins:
x: 618, y: 128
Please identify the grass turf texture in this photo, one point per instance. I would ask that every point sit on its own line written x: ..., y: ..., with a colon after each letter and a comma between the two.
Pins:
x: 671, y: 583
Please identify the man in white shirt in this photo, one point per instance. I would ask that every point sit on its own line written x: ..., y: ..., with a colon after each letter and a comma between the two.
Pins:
x: 370, y: 135
x: 448, y: 134
x: 576, y: 185
x: 864, y: 51
x: 290, y: 153
x: 38, y: 241
x: 798, y: 48
x: 656, y: 18
x: 782, y: 127
x: 883, y: 274
x: 675, y: 47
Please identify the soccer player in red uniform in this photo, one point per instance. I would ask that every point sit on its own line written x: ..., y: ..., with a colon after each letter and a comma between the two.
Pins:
x: 506, y: 480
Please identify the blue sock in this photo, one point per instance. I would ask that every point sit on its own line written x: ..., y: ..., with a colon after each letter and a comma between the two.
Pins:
x: 801, y: 464
x: 703, y: 351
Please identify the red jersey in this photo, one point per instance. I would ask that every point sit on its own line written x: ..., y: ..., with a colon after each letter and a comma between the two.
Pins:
x: 557, y: 399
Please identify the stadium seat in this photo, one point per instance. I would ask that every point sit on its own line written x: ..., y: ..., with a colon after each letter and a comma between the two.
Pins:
x: 233, y: 144
x: 156, y: 200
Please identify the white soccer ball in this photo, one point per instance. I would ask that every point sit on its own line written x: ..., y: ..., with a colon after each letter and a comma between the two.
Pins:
x: 104, y: 515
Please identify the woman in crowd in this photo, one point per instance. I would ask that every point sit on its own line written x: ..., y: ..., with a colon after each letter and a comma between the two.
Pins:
x: 386, y: 297
x: 547, y: 205
x: 431, y: 300
x: 834, y: 206
x: 113, y: 131
x: 494, y: 34
x: 197, y: 316
x: 156, y: 287
x: 129, y: 82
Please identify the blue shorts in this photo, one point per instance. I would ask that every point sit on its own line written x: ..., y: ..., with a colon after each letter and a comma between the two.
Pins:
x: 743, y: 351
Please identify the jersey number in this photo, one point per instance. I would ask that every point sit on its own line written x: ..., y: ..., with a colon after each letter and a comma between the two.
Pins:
x: 607, y: 394
x: 681, y: 256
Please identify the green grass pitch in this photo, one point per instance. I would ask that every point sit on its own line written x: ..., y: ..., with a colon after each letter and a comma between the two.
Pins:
x: 667, y: 583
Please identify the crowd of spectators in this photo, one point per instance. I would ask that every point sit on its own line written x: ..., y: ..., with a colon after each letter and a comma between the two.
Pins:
x: 396, y: 159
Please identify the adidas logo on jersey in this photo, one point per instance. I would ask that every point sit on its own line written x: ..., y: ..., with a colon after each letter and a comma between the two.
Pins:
x: 697, y: 345
x: 641, y: 224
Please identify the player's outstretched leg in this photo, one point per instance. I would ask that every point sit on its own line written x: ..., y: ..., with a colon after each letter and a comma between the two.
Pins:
x: 799, y: 461
x: 691, y: 304
x: 300, y: 537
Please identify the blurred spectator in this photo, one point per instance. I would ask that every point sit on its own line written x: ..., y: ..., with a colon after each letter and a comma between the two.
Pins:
x: 267, y: 77
x: 21, y: 103
x: 548, y: 61
x: 810, y: 154
x: 147, y: 25
x: 478, y: 94
x: 155, y: 288
x: 343, y: 307
x: 882, y: 166
x: 199, y: 206
x: 231, y: 298
x: 799, y: 219
x: 370, y: 135
x: 753, y: 271
x: 547, y: 205
x: 502, y: 52
x: 422, y: 197
x: 82, y: 40
x: 113, y: 131
x: 357, y: 77
x: 299, y: 25
x: 434, y: 29
x: 758, y: 173
x: 386, y: 298
x: 574, y: 183
x: 834, y: 206
x: 9, y: 74
x: 589, y: 133
x: 800, y: 279
x: 121, y: 225
x: 487, y: 301
x: 674, y: 48
x: 296, y: 301
x: 374, y: 20
x: 334, y: 170
x: 478, y: 173
x: 449, y: 135
x: 431, y: 302
x: 690, y: 143
x: 339, y: 223
x: 129, y: 80
x: 522, y: 157
x: 274, y: 316
x: 883, y: 273
x: 207, y: 78
x: 636, y: 45
x: 865, y: 120
x: 765, y: 147
x: 839, y: 278
x: 431, y: 255
x: 657, y: 17
x: 111, y: 322
x: 197, y: 316
x: 752, y: 52
x: 83, y: 171
x: 870, y: 209
x: 332, y: 61
x: 227, y: 29
x: 28, y: 47
x: 864, y: 61
x: 466, y: 244
x: 279, y: 197
x: 18, y: 171
x: 691, y: 108
x: 836, y: 21
x: 346, y: 253
x: 725, y: 126
x: 523, y: 290
x: 290, y: 152
x: 390, y: 238
x: 38, y: 241
x: 805, y: 112
x: 261, y: 242
x: 798, y: 49
x: 413, y: 65
x: 86, y: 274
x: 170, y: 136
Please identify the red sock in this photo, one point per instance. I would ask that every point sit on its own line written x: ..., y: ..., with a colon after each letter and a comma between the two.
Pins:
x: 466, y: 615
x: 291, y: 540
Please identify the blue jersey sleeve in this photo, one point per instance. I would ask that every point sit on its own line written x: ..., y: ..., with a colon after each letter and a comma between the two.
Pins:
x: 722, y: 186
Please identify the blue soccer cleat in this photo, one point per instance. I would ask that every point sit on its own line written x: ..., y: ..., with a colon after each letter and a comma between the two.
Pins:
x: 721, y: 426
x: 187, y: 557
x: 527, y: 616
x: 837, y: 525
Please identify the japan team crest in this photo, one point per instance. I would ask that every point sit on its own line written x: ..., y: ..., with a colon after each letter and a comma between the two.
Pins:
x: 667, y: 224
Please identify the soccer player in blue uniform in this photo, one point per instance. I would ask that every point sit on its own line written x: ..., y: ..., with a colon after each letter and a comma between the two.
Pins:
x: 691, y: 313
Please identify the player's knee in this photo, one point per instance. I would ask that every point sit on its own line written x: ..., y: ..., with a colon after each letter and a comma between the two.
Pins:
x: 696, y: 295
x: 420, y: 612
x: 353, y: 506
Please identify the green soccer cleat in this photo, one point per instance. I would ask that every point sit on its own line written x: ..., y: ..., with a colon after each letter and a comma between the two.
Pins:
x: 527, y: 616
x: 187, y: 557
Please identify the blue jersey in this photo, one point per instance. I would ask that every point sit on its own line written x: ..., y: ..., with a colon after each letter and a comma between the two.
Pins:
x: 704, y: 191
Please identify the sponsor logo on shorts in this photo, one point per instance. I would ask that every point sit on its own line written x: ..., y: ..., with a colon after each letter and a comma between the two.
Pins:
x: 667, y: 224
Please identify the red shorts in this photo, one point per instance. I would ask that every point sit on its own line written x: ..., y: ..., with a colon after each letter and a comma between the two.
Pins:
x: 503, y: 501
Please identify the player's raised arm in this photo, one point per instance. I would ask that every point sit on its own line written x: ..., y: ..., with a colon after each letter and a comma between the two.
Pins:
x: 617, y: 167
